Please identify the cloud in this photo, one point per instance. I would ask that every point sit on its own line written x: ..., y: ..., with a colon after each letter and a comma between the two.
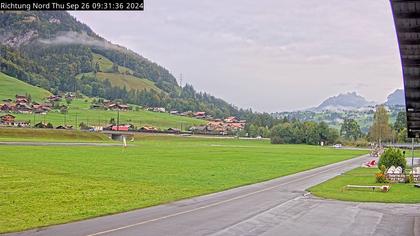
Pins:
x: 269, y: 55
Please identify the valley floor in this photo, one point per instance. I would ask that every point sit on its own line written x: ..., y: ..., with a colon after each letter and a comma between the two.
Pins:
x: 56, y: 184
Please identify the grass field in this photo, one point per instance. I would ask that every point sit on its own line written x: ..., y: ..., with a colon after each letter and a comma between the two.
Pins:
x: 333, y: 189
x: 129, y: 81
x: 121, y: 79
x: 50, y: 135
x: 49, y: 185
x: 79, y: 112
x: 105, y: 65
x: 10, y: 86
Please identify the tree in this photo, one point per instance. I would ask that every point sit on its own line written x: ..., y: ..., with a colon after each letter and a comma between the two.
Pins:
x: 282, y: 133
x: 350, y: 129
x: 400, y: 122
x: 112, y: 121
x: 380, y: 130
x: 392, y: 157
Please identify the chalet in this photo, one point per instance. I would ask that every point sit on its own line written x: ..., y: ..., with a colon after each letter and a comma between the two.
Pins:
x: 40, y: 109
x: 54, y: 98
x: 174, y: 112
x: 236, y: 126
x: 7, y: 107
x: 174, y: 130
x: 122, y: 107
x: 187, y: 113
x: 112, y: 106
x: 23, y: 108
x: 159, y: 109
x: 200, y: 129
x: 7, y: 119
x: 70, y: 96
x: 21, y: 99
x: 200, y: 115
x: 231, y: 119
x: 148, y: 129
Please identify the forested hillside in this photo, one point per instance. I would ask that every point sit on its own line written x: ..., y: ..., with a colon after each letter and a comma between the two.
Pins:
x: 54, y: 51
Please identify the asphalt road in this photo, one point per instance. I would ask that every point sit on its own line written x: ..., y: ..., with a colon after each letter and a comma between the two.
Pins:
x: 57, y: 144
x: 276, y: 207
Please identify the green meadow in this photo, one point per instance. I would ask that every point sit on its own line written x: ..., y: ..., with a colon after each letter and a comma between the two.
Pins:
x: 51, y: 185
x: 10, y: 86
x: 335, y: 189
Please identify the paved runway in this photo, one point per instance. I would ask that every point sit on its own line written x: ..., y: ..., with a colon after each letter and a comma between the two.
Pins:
x: 57, y: 144
x: 277, y: 207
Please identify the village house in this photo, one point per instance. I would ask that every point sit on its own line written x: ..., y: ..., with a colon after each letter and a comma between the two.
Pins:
x: 159, y: 109
x: 147, y: 128
x: 200, y: 115
x: 7, y: 119
x: 231, y: 119
x: 21, y: 98
x: 187, y: 113
x: 7, y: 107
x: 23, y: 108
x: 174, y: 130
x: 54, y: 98
x: 174, y: 112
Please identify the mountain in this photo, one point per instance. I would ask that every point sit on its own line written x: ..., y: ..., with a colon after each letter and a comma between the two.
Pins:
x: 347, y: 101
x: 55, y: 51
x: 396, y: 98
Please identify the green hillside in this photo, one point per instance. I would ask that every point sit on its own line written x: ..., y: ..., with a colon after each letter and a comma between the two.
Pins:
x: 124, y: 80
x: 31, y: 50
x: 10, y: 86
x: 105, y: 65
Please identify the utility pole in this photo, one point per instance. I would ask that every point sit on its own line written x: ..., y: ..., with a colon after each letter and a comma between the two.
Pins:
x: 76, y: 122
x: 412, y: 153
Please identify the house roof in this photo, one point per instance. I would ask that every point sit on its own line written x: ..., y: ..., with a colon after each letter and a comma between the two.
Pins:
x: 407, y: 24
x: 8, y: 115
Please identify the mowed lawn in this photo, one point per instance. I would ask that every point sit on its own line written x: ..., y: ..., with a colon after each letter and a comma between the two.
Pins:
x: 41, y: 186
x: 334, y: 189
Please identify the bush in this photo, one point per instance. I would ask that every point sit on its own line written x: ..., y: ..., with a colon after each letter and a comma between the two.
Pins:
x: 410, y: 179
x: 276, y: 140
x: 392, y: 157
x: 380, y: 178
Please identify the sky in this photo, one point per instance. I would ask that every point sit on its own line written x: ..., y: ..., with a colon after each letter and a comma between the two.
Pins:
x: 268, y: 55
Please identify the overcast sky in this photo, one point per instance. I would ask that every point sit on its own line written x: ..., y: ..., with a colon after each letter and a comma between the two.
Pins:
x: 270, y: 55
